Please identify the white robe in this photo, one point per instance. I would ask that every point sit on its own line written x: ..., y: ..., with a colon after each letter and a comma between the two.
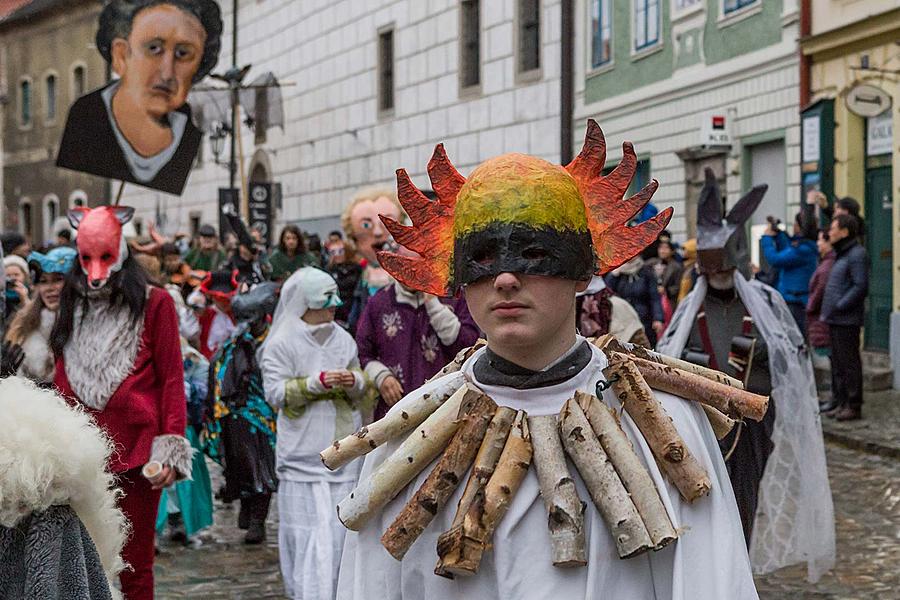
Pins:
x: 795, y: 516
x: 708, y: 562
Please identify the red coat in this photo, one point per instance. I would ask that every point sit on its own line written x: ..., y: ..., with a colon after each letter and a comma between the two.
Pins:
x: 818, y: 331
x: 150, y: 401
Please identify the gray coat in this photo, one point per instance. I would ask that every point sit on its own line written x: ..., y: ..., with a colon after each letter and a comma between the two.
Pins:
x: 50, y: 556
x: 848, y: 284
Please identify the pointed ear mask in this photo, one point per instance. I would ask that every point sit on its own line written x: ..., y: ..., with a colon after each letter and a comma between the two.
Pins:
x: 101, y: 244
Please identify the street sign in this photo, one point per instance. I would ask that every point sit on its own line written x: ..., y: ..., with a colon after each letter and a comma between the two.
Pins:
x: 867, y: 100
x: 227, y: 197
x: 261, y: 206
x: 879, y: 134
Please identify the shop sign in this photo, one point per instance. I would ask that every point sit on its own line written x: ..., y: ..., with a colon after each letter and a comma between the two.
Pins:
x: 867, y: 100
x: 810, y: 142
x: 880, y: 134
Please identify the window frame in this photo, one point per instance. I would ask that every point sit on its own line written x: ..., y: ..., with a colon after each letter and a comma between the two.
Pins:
x: 381, y: 74
x: 738, y: 14
x: 677, y: 14
x: 609, y: 63
x: 470, y: 89
x: 535, y: 73
x: 647, y: 47
x: 49, y: 221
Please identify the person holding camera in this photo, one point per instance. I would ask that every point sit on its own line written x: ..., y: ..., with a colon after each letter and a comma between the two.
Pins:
x: 795, y: 257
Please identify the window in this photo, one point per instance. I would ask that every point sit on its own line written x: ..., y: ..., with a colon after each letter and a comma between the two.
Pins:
x: 470, y: 43
x: 79, y: 82
x: 51, y: 213
x: 601, y: 32
x: 386, y: 70
x: 529, y: 41
x: 646, y: 23
x: 685, y: 4
x: 25, y: 217
x: 25, y: 102
x: 50, y: 85
x: 732, y: 5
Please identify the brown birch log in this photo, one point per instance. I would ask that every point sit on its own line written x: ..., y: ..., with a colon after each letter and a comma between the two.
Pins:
x: 721, y: 424
x: 464, y: 546
x: 393, y: 425
x: 726, y: 399
x: 609, y: 343
x: 485, y: 463
x: 603, y: 483
x: 631, y: 469
x: 672, y: 454
x: 565, y: 509
x: 421, y: 447
x: 461, y: 357
x: 432, y: 495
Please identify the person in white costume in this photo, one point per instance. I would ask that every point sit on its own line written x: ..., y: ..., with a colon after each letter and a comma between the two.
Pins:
x: 311, y: 375
x: 519, y: 252
x: 777, y: 466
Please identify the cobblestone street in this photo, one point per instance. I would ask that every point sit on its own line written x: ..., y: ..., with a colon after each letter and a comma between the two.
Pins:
x: 866, y: 490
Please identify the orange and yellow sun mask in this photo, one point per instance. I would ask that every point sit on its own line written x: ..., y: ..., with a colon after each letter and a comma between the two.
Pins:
x: 522, y: 214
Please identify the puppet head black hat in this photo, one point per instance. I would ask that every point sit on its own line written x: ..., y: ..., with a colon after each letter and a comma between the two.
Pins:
x: 256, y: 304
x: 722, y: 239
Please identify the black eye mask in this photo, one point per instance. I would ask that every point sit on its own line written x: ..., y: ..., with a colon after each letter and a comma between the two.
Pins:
x: 519, y: 248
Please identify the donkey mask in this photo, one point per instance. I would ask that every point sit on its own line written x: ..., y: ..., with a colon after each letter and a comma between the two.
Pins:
x: 101, y: 246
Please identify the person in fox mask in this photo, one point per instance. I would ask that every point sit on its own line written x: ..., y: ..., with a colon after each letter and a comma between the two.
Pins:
x: 118, y: 357
x: 777, y: 466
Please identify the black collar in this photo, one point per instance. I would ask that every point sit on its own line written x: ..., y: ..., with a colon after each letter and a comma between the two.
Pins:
x: 491, y: 369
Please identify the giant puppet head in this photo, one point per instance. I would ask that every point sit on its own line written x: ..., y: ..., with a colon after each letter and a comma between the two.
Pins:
x: 101, y: 245
x: 361, y: 223
x: 518, y: 213
x: 722, y: 239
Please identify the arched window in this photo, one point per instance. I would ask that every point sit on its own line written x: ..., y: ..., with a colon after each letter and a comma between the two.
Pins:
x: 51, y: 213
x: 50, y: 96
x: 78, y: 198
x: 25, y: 102
x: 26, y: 219
x: 79, y: 82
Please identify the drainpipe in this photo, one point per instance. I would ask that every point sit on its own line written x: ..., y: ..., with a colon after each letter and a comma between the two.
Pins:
x: 566, y: 79
x: 805, y: 61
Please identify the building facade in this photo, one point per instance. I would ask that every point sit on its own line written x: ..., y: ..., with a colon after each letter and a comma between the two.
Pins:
x: 853, y: 63
x: 697, y: 83
x: 48, y: 61
x: 370, y: 87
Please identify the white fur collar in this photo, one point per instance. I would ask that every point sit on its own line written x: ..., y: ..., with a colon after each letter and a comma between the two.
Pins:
x: 101, y: 352
x: 52, y: 454
x: 38, y: 363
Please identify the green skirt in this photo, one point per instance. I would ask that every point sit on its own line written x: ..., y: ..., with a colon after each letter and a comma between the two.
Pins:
x: 193, y: 498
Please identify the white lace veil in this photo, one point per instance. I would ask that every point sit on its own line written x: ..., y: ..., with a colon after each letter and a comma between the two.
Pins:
x: 795, y: 517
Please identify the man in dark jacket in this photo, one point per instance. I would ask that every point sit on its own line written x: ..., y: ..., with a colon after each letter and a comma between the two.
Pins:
x: 843, y: 308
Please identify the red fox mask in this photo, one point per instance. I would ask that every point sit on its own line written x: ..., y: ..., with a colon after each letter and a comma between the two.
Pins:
x: 101, y: 246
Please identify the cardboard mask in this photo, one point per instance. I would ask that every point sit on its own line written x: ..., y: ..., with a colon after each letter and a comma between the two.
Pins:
x: 101, y: 244
x: 722, y: 239
x: 518, y: 213
x: 138, y: 128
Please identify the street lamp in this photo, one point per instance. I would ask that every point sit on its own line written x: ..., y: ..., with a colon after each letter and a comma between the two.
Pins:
x: 217, y: 139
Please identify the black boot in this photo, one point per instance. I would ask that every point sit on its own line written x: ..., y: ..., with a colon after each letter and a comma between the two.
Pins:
x: 244, y: 513
x: 259, y: 510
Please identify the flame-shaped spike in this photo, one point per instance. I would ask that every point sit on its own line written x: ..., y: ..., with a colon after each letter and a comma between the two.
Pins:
x: 407, y: 236
x: 589, y: 162
x: 612, y: 214
x: 621, y: 176
x: 430, y: 276
x: 411, y: 198
x: 620, y: 244
x: 445, y: 179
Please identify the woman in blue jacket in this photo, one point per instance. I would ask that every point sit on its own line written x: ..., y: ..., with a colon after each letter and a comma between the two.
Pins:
x: 795, y: 258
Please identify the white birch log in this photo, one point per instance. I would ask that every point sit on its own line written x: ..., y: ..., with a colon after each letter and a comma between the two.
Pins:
x: 485, y: 463
x: 655, y: 424
x: 461, y: 357
x: 392, y: 425
x: 603, y: 483
x: 631, y: 469
x: 420, y: 448
x: 463, y: 549
x: 565, y: 509
x: 721, y: 424
x: 475, y: 416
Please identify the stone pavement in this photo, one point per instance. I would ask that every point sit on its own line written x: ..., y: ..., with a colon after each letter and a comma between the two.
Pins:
x: 879, y: 430
x: 865, y: 487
